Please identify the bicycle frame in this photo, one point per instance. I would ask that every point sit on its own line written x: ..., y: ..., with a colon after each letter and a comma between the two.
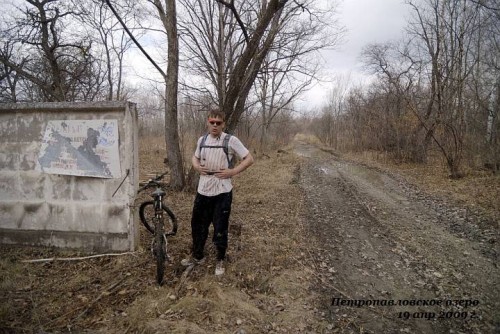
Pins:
x: 158, y: 195
x: 155, y: 224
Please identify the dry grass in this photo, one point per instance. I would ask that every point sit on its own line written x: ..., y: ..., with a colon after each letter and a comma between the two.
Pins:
x: 255, y: 293
x: 478, y: 189
x: 264, y: 289
x: 308, y: 138
x: 265, y: 285
x: 152, y: 152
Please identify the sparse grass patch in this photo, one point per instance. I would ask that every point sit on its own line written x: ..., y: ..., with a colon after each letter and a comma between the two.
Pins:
x: 152, y: 152
x: 308, y: 138
x: 120, y: 294
x: 477, y: 189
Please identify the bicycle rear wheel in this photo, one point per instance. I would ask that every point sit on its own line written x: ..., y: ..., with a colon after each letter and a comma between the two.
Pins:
x: 160, y: 251
x: 147, y: 214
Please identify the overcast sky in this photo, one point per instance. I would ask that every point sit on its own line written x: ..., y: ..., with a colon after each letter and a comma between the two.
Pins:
x: 366, y: 21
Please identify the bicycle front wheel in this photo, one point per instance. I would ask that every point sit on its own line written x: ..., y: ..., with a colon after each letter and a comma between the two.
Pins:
x: 160, y: 250
x: 147, y: 214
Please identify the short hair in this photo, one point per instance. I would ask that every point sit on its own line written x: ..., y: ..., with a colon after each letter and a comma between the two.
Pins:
x: 216, y: 113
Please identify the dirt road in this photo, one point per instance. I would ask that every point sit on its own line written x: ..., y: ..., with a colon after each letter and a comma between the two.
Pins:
x: 327, y: 246
x: 391, y: 259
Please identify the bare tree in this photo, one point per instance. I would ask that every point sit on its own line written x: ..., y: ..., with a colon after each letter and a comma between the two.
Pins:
x: 168, y: 16
x: 57, y: 62
x: 486, y: 84
x: 167, y: 13
x: 229, y: 46
x: 446, y: 29
x: 446, y: 77
x: 109, y: 38
x: 9, y: 78
x: 330, y: 126
x: 399, y: 78
x: 291, y: 64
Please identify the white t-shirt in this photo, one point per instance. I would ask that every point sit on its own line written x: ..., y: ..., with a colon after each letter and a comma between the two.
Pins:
x: 215, y: 159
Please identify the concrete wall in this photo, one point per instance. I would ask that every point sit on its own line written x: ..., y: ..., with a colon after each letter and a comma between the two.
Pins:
x: 62, y: 210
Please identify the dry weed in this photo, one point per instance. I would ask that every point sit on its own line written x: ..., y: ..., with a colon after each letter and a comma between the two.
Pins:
x: 477, y: 189
x: 264, y: 288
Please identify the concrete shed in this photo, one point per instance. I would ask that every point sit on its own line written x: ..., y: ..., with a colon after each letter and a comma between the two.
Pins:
x: 70, y: 211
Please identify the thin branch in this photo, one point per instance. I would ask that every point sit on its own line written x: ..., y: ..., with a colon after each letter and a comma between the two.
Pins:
x: 183, y: 280
x: 481, y: 3
x: 231, y: 6
x: 108, y: 291
x: 76, y: 258
x: 108, y: 2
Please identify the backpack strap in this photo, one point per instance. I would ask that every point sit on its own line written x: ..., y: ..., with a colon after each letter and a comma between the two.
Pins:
x: 224, y: 146
x: 202, y: 143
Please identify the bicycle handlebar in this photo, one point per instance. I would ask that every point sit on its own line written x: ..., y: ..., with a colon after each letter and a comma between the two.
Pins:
x: 154, y: 182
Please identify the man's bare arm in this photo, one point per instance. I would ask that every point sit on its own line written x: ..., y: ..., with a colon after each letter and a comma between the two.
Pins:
x: 244, y: 164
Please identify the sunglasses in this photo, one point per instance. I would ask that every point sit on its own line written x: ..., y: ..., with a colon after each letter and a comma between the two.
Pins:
x: 213, y: 122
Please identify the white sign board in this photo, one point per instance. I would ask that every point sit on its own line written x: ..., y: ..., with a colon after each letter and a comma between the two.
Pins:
x: 81, y: 148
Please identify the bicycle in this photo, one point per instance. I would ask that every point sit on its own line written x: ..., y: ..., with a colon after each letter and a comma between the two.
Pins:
x: 152, y: 215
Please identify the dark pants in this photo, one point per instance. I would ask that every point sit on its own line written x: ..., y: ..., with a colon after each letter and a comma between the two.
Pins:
x: 207, y: 210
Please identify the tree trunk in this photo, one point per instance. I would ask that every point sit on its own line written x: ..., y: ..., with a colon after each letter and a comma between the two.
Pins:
x: 174, y: 155
x: 246, y: 69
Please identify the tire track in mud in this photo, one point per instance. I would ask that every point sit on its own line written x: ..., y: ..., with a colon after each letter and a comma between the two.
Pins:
x: 370, y: 241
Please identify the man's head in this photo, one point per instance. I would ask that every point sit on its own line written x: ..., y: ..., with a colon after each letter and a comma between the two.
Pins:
x: 215, y: 122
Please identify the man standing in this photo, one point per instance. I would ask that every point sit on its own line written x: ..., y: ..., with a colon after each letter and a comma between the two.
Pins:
x: 212, y: 159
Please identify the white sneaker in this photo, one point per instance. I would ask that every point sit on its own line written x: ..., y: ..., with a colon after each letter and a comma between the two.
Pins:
x: 192, y: 261
x: 219, y: 268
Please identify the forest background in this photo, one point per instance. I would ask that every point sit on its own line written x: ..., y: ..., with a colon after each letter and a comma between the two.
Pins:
x: 430, y: 113
x: 435, y: 97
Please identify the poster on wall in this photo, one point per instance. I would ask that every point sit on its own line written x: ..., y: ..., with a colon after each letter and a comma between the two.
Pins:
x: 81, y: 148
